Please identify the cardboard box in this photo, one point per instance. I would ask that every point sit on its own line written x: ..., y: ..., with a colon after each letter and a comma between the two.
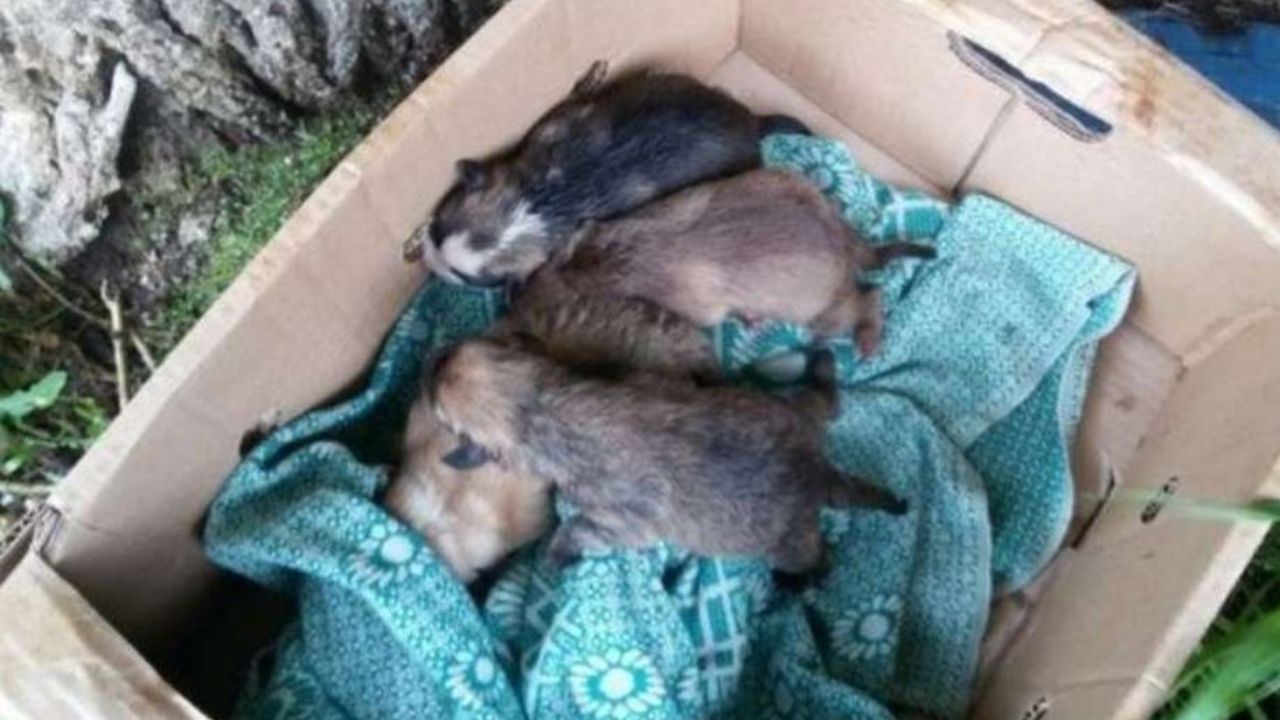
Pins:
x: 1051, y: 105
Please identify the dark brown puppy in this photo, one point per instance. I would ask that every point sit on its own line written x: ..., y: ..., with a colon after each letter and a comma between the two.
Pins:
x: 605, y: 150
x: 762, y: 244
x: 721, y: 470
x: 605, y: 335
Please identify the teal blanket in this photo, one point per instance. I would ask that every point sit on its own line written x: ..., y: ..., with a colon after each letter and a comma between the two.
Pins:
x: 968, y: 410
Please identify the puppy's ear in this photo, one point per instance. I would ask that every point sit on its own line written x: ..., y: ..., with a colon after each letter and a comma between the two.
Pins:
x: 467, y: 455
x: 584, y: 229
x: 528, y: 342
x: 591, y: 80
x: 432, y: 368
x: 473, y: 174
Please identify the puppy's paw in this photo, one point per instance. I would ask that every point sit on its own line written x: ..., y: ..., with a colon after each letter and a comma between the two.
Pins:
x: 564, y: 548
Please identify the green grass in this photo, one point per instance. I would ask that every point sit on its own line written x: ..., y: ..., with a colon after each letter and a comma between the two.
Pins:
x: 262, y: 184
x: 45, y: 423
x: 1235, y: 671
x: 53, y: 400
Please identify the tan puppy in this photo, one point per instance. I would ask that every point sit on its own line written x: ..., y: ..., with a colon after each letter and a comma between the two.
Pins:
x: 762, y: 244
x: 471, y: 517
x: 720, y: 471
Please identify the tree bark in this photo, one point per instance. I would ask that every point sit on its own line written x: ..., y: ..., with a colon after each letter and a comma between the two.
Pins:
x: 89, y: 89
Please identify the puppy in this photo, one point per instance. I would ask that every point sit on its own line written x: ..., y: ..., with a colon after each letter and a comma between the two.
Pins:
x: 716, y: 470
x: 605, y: 150
x: 471, y: 515
x: 762, y: 244
x: 605, y: 335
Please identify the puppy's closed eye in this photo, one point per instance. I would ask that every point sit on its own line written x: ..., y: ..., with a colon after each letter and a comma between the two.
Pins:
x: 467, y: 455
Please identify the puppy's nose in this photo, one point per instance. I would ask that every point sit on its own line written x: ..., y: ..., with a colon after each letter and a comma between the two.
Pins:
x: 436, y: 232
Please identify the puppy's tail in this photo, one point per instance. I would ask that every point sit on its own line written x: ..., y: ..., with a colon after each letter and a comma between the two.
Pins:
x: 819, y: 401
x: 847, y: 491
x: 770, y: 124
x: 878, y: 256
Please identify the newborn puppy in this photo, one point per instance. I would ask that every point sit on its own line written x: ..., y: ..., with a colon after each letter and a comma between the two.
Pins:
x: 472, y: 516
x: 717, y: 470
x: 605, y: 335
x: 605, y: 150
x: 762, y: 244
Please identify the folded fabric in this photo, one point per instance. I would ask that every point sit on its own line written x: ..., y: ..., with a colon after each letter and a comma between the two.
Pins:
x: 967, y: 411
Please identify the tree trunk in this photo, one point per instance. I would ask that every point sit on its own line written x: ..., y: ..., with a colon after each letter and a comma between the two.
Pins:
x: 93, y: 89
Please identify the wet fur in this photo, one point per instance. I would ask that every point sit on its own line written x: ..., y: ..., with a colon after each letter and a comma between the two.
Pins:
x: 605, y: 335
x: 472, y: 519
x: 607, y: 149
x: 762, y: 244
x: 723, y: 471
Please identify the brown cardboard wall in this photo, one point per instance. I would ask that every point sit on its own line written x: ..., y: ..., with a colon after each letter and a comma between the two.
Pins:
x: 1132, y: 379
x: 884, y: 71
x: 751, y: 83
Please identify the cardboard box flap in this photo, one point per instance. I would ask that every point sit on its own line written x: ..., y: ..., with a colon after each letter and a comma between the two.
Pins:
x: 1185, y: 181
x: 62, y: 660
x: 908, y: 95
x: 751, y: 83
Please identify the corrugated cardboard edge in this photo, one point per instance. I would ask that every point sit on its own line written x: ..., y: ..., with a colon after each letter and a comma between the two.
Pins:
x: 27, y: 536
x: 15, y: 543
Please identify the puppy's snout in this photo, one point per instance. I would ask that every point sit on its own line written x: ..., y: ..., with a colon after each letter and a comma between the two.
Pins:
x: 483, y: 280
x: 435, y: 232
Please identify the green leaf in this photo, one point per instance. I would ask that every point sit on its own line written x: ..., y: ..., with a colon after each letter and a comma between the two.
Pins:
x: 41, y: 395
x: 1247, y: 659
x: 6, y: 284
x: 1266, y: 511
x: 14, y: 462
x: 46, y: 392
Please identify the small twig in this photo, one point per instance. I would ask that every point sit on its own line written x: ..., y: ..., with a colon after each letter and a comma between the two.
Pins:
x: 58, y: 296
x: 99, y: 374
x: 144, y: 352
x: 112, y: 301
x: 25, y: 489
